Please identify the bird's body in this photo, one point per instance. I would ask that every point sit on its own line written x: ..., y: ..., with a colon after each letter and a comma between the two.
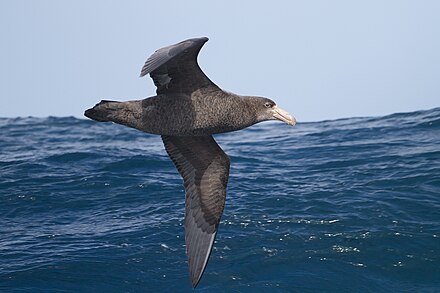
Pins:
x: 186, y: 111
x: 204, y: 112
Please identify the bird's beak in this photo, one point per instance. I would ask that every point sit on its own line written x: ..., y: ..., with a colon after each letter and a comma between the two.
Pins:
x: 282, y: 115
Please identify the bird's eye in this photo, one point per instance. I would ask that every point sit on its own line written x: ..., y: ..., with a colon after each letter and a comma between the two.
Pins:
x: 268, y: 105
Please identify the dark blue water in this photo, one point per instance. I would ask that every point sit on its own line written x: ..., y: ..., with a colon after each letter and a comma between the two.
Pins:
x: 350, y: 205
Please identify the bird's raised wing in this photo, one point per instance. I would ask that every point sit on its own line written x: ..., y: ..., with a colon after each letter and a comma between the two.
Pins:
x: 174, y: 69
x: 205, y: 171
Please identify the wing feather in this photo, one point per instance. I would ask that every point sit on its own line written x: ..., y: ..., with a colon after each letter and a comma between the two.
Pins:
x: 174, y: 69
x: 204, y: 168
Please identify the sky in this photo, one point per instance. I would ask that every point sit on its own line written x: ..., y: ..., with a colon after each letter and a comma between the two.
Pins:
x: 317, y: 59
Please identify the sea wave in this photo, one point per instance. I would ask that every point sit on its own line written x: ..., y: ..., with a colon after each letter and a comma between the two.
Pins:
x: 337, y: 206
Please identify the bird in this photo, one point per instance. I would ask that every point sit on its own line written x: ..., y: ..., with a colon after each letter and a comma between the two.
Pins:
x: 186, y: 111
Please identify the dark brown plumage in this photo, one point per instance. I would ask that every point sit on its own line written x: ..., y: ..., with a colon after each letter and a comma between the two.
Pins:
x: 186, y: 111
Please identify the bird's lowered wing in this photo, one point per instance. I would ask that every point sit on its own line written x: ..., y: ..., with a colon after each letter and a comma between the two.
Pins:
x: 174, y: 69
x: 205, y: 171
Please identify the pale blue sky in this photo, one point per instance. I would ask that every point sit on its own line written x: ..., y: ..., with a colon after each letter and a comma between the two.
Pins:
x: 317, y: 59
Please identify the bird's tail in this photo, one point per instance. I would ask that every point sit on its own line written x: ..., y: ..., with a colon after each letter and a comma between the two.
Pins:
x: 126, y: 113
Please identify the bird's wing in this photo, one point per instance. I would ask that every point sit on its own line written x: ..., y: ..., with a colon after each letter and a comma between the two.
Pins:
x: 174, y: 69
x: 205, y: 171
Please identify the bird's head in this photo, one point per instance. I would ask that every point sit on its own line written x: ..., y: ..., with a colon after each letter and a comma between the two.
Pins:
x: 268, y: 110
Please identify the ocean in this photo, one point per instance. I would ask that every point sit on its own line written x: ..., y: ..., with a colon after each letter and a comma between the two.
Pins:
x: 348, y: 205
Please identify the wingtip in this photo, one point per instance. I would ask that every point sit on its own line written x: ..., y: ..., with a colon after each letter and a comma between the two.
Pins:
x: 143, y: 72
x: 196, y: 275
x: 196, y: 278
x: 195, y: 282
x: 197, y: 268
x: 198, y: 40
x: 204, y: 39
